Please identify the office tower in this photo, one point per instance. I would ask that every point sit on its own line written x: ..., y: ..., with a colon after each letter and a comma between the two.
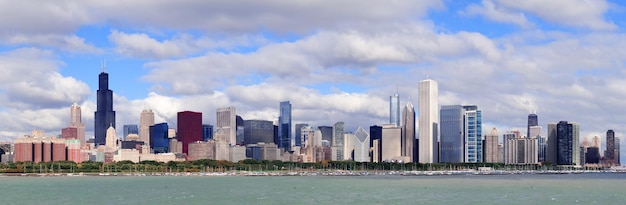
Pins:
x: 609, y: 153
x: 146, y: 119
x: 227, y: 121
x: 258, y: 131
x: 240, y: 131
x: 299, y: 141
x: 551, y: 150
x: 394, y: 109
x: 534, y: 131
x: 376, y: 133
x: 408, y: 131
x: 509, y: 153
x: 348, y: 146
x: 617, y: 153
x: 284, y: 126
x: 491, y: 145
x: 428, y: 121
x: 104, y: 115
x: 361, y: 145
x: 111, y: 139
x: 207, y: 132
x: 595, y: 142
x: 77, y: 122
x: 159, y: 140
x: 532, y: 121
x: 461, y: 134
x: 391, y: 143
x: 452, y: 134
x: 568, y: 148
x: 327, y: 133
x: 171, y: 133
x: 130, y: 129
x: 189, y: 128
x: 338, y: 140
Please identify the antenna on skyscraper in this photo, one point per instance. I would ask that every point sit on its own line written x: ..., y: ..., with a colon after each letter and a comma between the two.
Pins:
x: 103, y: 65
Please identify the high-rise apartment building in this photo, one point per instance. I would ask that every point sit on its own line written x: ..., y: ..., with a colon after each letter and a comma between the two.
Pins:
x: 551, y: 150
x: 568, y: 147
x: 146, y: 119
x: 338, y: 140
x: 189, y: 128
x: 408, y: 132
x: 428, y: 121
x: 394, y: 109
x: 491, y: 146
x: 284, y: 126
x: 226, y: 120
x: 104, y: 115
x: 609, y: 153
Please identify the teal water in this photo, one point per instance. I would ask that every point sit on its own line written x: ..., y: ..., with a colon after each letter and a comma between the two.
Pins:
x: 507, y: 189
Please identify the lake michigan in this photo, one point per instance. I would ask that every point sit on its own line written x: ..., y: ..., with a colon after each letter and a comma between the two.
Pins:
x: 597, y: 188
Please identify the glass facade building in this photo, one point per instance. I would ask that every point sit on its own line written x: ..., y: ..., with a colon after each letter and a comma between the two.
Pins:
x: 284, y: 126
x: 299, y: 140
x: 461, y: 134
x: 256, y: 131
x: 130, y: 129
x: 338, y: 140
x: 568, y: 149
x: 207, y: 132
x: 394, y: 109
x: 159, y: 140
x: 104, y: 115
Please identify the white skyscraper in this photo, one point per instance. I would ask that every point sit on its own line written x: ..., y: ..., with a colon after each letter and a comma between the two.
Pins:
x: 428, y: 121
x: 111, y: 138
x: 227, y: 121
x: 146, y: 119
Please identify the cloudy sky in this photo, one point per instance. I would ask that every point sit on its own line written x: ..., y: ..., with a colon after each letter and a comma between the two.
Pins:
x: 335, y: 61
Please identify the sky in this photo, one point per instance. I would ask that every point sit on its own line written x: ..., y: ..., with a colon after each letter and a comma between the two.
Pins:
x: 335, y: 61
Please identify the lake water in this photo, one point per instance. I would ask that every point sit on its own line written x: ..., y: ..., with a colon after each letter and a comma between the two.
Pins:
x: 609, y: 188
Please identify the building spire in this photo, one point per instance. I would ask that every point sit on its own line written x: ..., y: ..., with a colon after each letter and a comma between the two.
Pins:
x: 103, y: 65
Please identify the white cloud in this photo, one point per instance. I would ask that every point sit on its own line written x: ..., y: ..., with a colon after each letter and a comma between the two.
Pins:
x: 497, y: 13
x: 69, y: 43
x: 574, y: 13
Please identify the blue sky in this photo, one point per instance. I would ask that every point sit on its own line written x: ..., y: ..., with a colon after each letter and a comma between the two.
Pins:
x: 336, y: 61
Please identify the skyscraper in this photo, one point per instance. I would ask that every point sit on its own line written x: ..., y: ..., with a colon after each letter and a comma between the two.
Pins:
x: 361, y: 145
x: 159, y: 140
x: 189, y: 128
x: 227, y: 122
x: 299, y: 141
x: 284, y: 126
x: 609, y: 153
x: 473, y: 134
x: 258, y: 131
x: 104, y: 115
x: 408, y: 131
x: 130, y: 129
x: 77, y: 122
x: 394, y: 109
x: 207, y: 132
x: 452, y: 134
x: 376, y: 133
x: 532, y: 121
x: 428, y: 121
x: 491, y: 146
x: 338, y: 140
x: 146, y: 119
x: 551, y: 150
x: 568, y: 148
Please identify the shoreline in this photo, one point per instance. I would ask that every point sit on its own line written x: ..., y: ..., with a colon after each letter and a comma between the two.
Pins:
x: 321, y: 173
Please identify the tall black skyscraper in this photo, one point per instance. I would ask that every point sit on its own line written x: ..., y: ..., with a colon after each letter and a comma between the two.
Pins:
x: 105, y: 116
x: 532, y: 121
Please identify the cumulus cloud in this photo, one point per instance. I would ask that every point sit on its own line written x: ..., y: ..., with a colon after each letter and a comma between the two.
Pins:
x: 577, y: 13
x: 493, y: 12
x: 68, y: 43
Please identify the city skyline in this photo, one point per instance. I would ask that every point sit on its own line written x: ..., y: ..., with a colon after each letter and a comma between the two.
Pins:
x: 501, y: 56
